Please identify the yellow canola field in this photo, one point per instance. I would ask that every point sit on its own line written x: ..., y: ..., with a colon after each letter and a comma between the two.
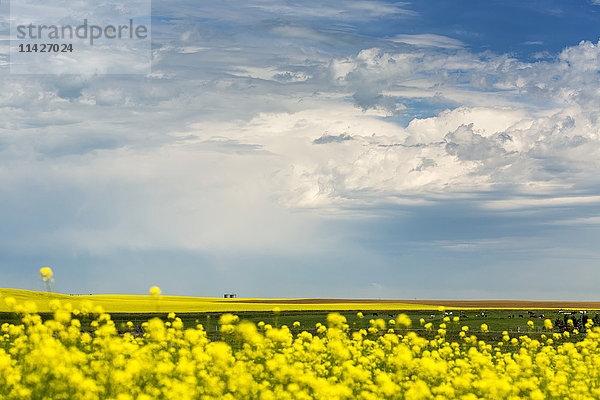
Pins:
x: 54, y: 359
x: 181, y: 304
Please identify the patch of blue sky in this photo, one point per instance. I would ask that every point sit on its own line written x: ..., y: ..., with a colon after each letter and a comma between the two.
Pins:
x: 527, y: 30
x: 523, y: 29
x: 421, y: 108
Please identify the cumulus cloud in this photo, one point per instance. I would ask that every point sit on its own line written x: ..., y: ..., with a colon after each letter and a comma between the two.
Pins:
x: 546, y: 135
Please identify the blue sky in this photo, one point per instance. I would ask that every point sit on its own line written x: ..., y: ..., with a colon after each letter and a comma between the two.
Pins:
x: 430, y: 149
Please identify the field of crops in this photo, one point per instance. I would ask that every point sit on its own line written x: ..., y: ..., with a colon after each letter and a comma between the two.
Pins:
x: 368, y: 357
x: 182, y: 304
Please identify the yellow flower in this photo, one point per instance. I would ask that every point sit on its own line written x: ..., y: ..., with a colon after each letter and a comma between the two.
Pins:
x: 65, y: 356
x: 11, y: 302
x: 46, y: 274
x: 155, y: 291
x: 228, y: 319
x: 404, y: 320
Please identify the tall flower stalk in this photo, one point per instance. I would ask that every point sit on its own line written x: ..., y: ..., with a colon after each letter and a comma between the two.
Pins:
x: 155, y: 293
x: 48, y: 277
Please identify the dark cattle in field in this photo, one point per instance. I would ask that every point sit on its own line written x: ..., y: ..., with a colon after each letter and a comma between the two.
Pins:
x: 520, y: 315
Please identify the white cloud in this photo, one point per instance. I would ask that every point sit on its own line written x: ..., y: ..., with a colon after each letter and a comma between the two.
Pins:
x: 192, y: 49
x: 530, y: 202
x: 429, y: 40
x: 486, y: 121
x: 270, y: 73
x: 225, y: 135
x: 526, y: 143
x: 300, y: 32
x: 345, y: 10
x: 544, y: 135
x: 578, y: 221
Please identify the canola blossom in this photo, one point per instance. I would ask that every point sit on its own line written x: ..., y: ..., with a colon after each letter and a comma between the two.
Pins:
x: 155, y: 291
x: 56, y: 359
x: 46, y: 274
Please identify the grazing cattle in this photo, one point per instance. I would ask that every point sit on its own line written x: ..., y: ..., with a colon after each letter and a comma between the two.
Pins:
x: 520, y: 315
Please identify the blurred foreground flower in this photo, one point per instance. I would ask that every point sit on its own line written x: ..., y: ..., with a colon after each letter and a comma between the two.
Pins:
x: 59, y: 357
